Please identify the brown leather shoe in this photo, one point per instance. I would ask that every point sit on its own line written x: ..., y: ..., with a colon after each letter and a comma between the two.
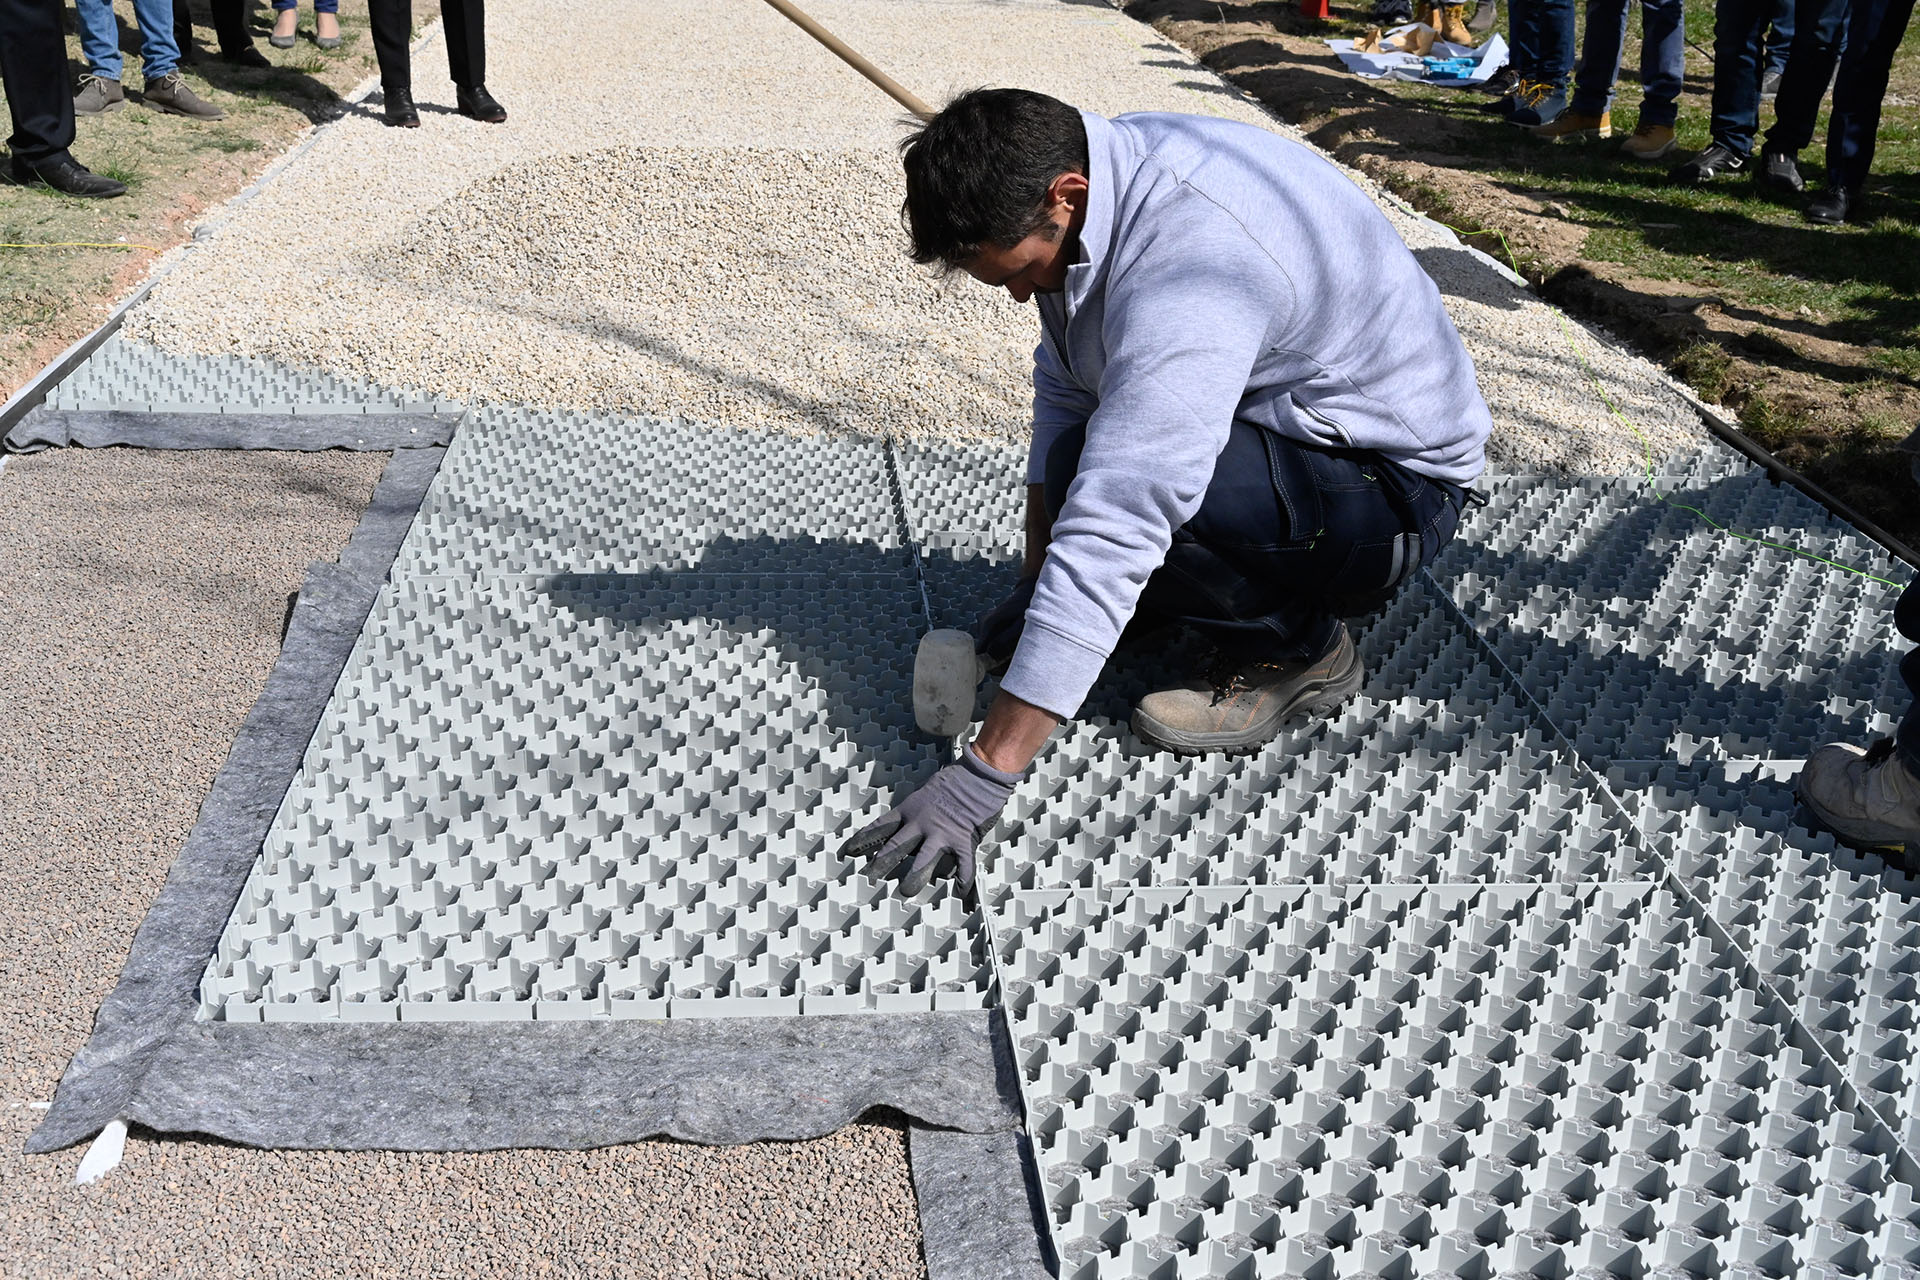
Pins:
x: 1239, y: 708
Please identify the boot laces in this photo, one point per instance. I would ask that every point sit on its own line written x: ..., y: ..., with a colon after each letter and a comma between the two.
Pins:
x: 1230, y: 675
x: 1530, y: 93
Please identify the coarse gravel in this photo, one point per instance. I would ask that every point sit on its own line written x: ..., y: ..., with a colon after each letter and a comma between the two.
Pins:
x: 144, y: 597
x: 708, y: 225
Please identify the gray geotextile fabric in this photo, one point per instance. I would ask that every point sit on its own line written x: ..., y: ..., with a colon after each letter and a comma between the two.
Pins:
x: 497, y: 1085
x: 982, y: 1216
x: 45, y: 428
x: 156, y: 996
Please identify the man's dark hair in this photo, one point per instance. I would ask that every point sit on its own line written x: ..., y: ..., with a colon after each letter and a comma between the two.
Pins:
x: 978, y: 172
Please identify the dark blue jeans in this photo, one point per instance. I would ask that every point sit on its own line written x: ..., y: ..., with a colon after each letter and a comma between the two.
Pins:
x: 1820, y: 32
x: 1737, y: 29
x: 1288, y: 540
x: 1906, y: 616
x: 1779, y: 41
x: 1543, y: 40
x: 1874, y: 28
x: 1663, y: 51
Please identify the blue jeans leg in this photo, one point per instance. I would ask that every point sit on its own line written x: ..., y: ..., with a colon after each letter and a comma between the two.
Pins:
x: 1819, y: 34
x: 1557, y: 20
x: 1600, y: 57
x: 1288, y: 540
x: 100, y: 37
x: 1737, y: 25
x: 1781, y: 25
x: 1663, y: 59
x: 1874, y: 29
x: 159, y: 52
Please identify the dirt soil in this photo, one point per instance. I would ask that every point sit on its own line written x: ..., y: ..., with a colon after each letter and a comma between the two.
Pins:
x: 1822, y: 404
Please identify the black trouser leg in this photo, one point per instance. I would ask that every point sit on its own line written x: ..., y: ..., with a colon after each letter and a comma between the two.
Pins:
x: 391, y: 21
x: 33, y: 66
x: 230, y: 25
x: 183, y: 28
x: 464, y: 24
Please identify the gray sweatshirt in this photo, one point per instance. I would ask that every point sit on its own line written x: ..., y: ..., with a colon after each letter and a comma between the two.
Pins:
x: 1225, y: 273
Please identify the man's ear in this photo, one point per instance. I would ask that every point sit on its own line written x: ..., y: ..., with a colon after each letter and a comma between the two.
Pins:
x: 1069, y: 189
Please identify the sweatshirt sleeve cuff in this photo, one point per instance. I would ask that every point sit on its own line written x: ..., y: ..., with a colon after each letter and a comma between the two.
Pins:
x: 1052, y: 671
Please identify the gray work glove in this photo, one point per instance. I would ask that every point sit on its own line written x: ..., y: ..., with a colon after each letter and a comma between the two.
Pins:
x: 997, y: 633
x: 947, y: 815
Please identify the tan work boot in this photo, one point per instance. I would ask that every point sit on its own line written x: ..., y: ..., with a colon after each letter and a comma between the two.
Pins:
x: 1649, y: 142
x: 1452, y: 25
x: 1239, y: 708
x: 1867, y: 798
x: 1575, y: 126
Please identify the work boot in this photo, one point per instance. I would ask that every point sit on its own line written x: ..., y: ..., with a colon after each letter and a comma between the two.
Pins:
x: 1650, y: 142
x: 68, y: 176
x: 98, y: 95
x: 170, y: 94
x: 1485, y: 14
x: 1868, y: 798
x: 1717, y: 161
x: 1239, y: 706
x: 1575, y: 126
x: 1451, y: 22
x: 1778, y: 173
x: 1537, y: 102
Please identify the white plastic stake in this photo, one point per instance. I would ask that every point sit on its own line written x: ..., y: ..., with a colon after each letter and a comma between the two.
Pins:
x: 103, y: 1155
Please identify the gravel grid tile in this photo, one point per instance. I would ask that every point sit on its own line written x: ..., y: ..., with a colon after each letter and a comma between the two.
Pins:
x: 145, y: 595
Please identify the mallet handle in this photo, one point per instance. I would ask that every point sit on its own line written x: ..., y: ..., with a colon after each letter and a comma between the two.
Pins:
x: 886, y: 82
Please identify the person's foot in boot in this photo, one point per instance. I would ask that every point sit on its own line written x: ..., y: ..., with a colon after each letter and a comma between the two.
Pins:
x: 1239, y: 704
x: 68, y: 176
x: 1778, y: 174
x: 1717, y: 161
x: 1650, y: 142
x: 1485, y: 14
x: 1500, y: 84
x: 1867, y: 798
x: 1453, y: 25
x: 286, y: 29
x: 399, y: 110
x: 169, y: 93
x: 1575, y: 126
x: 326, y: 30
x: 1833, y: 206
x: 1538, y: 102
x: 477, y: 104
x: 98, y: 95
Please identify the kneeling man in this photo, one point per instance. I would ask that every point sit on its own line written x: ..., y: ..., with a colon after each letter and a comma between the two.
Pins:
x: 1251, y: 416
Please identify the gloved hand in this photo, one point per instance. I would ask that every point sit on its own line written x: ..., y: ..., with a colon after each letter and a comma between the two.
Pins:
x: 997, y: 633
x: 947, y: 815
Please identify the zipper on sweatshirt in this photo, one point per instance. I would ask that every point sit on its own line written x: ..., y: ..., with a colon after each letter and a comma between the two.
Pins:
x: 1339, y: 432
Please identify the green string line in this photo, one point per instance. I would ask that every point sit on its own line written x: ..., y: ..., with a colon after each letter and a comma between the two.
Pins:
x: 1646, y: 441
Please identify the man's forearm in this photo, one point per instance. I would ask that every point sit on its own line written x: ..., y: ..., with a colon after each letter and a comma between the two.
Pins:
x: 1039, y: 530
x: 1013, y: 733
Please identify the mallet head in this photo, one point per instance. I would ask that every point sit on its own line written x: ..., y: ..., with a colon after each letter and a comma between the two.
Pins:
x: 946, y: 676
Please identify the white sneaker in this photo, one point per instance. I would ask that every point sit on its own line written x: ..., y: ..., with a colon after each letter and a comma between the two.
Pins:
x: 1866, y: 797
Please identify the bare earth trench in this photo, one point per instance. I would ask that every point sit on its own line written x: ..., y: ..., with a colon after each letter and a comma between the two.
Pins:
x: 703, y: 226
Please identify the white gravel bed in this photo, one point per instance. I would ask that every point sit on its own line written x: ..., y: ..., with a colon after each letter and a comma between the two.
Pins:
x: 707, y: 224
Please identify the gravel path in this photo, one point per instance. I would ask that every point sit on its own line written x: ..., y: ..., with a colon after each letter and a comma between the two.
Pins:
x: 144, y: 598
x: 708, y: 225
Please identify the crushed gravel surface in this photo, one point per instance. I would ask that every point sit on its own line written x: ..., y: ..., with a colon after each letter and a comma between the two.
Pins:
x: 708, y: 225
x: 144, y: 595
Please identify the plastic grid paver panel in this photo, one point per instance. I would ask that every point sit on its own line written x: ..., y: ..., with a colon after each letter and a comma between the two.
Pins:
x: 969, y: 494
x: 1438, y: 771
x: 1648, y: 634
x: 138, y: 377
x: 1418, y: 1081
x: 526, y: 491
x: 1835, y: 931
x: 602, y: 797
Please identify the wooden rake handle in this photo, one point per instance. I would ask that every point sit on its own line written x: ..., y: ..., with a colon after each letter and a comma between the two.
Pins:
x: 839, y: 47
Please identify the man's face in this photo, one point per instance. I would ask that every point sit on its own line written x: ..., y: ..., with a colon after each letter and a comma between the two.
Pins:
x: 1038, y: 264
